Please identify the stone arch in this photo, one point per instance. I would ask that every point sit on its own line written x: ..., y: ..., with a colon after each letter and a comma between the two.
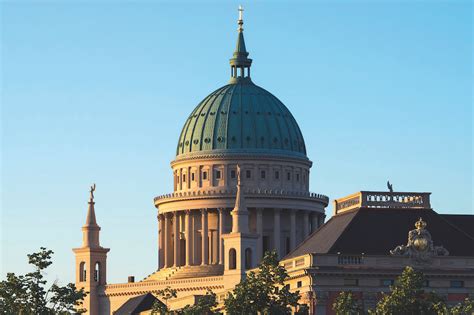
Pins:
x: 82, y: 272
x: 97, y: 272
x: 232, y: 258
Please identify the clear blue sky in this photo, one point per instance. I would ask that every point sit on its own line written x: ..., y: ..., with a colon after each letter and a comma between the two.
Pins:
x: 98, y: 92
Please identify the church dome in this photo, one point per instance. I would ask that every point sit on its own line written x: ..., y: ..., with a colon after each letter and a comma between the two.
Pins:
x: 241, y: 118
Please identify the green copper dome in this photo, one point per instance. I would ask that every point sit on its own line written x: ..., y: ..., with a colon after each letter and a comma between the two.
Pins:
x: 241, y: 117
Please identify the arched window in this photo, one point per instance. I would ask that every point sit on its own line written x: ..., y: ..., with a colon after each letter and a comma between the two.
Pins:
x: 82, y: 272
x: 97, y: 272
x: 232, y: 259
x: 248, y: 258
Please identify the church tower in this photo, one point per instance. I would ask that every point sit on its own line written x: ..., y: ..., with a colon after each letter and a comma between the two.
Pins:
x: 239, y: 245
x: 91, y: 260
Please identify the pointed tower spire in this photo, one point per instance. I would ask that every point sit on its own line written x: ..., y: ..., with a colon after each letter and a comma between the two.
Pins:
x: 91, y: 261
x: 240, y: 63
x: 90, y: 220
x: 240, y: 220
x: 91, y: 229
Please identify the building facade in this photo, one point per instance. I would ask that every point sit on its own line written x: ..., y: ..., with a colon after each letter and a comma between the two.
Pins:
x: 371, y: 238
x: 241, y: 187
x: 239, y: 141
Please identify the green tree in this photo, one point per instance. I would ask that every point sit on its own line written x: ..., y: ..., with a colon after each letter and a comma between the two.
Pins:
x: 408, y: 297
x: 204, y: 306
x: 163, y: 295
x: 26, y: 294
x: 464, y: 308
x: 263, y: 291
x: 347, y: 304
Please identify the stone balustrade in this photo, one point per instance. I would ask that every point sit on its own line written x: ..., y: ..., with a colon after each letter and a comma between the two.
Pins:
x: 219, y: 193
x: 380, y: 199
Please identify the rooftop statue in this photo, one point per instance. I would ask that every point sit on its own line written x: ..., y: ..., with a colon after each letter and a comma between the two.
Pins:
x: 420, y: 246
x: 92, y: 189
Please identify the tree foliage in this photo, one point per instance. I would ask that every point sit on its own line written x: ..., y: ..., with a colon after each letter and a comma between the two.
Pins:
x: 408, y: 297
x: 263, y: 291
x: 347, y: 304
x: 204, y: 306
x: 26, y: 294
x: 163, y: 295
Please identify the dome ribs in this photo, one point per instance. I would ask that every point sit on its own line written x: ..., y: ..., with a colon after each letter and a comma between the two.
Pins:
x: 229, y: 109
x: 241, y: 118
x: 267, y: 132
x: 220, y: 124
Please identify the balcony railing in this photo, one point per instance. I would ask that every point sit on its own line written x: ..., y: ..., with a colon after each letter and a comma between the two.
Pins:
x: 379, y: 199
x: 248, y: 193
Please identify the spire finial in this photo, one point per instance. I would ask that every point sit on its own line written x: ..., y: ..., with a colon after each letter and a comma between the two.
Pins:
x: 90, y: 220
x: 240, y: 63
x: 92, y: 189
x: 241, y: 20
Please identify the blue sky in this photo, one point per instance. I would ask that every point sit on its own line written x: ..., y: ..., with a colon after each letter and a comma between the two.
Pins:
x: 98, y: 92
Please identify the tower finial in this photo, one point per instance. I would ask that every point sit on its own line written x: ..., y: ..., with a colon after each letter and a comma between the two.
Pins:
x: 241, y: 20
x: 91, y: 199
x: 240, y: 63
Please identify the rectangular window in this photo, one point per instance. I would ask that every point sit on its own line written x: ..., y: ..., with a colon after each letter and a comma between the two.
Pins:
x: 184, y: 178
x: 277, y: 175
x: 178, y: 179
x: 232, y: 174
x: 297, y: 177
x: 299, y: 284
x: 192, y: 177
x: 262, y: 174
x: 218, y: 174
x: 248, y: 174
x: 204, y: 175
x: 288, y: 176
x: 351, y: 282
x: 386, y: 282
x: 457, y: 284
x: 287, y: 241
x: 265, y: 243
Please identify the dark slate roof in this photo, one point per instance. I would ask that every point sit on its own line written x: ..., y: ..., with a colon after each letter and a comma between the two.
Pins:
x: 375, y: 231
x: 464, y: 222
x: 137, y: 304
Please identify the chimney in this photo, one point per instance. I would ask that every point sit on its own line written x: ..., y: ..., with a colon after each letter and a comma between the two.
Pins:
x: 131, y: 279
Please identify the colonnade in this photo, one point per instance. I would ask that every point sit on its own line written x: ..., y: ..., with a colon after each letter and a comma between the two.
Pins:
x: 185, y: 238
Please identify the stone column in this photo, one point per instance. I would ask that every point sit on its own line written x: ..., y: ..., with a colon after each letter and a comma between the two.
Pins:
x: 305, y: 224
x: 292, y: 229
x: 205, y: 238
x: 161, y: 241
x: 314, y: 222
x: 167, y: 234
x: 176, y: 238
x: 276, y: 231
x: 220, y: 231
x: 187, y: 227
x: 259, y: 230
